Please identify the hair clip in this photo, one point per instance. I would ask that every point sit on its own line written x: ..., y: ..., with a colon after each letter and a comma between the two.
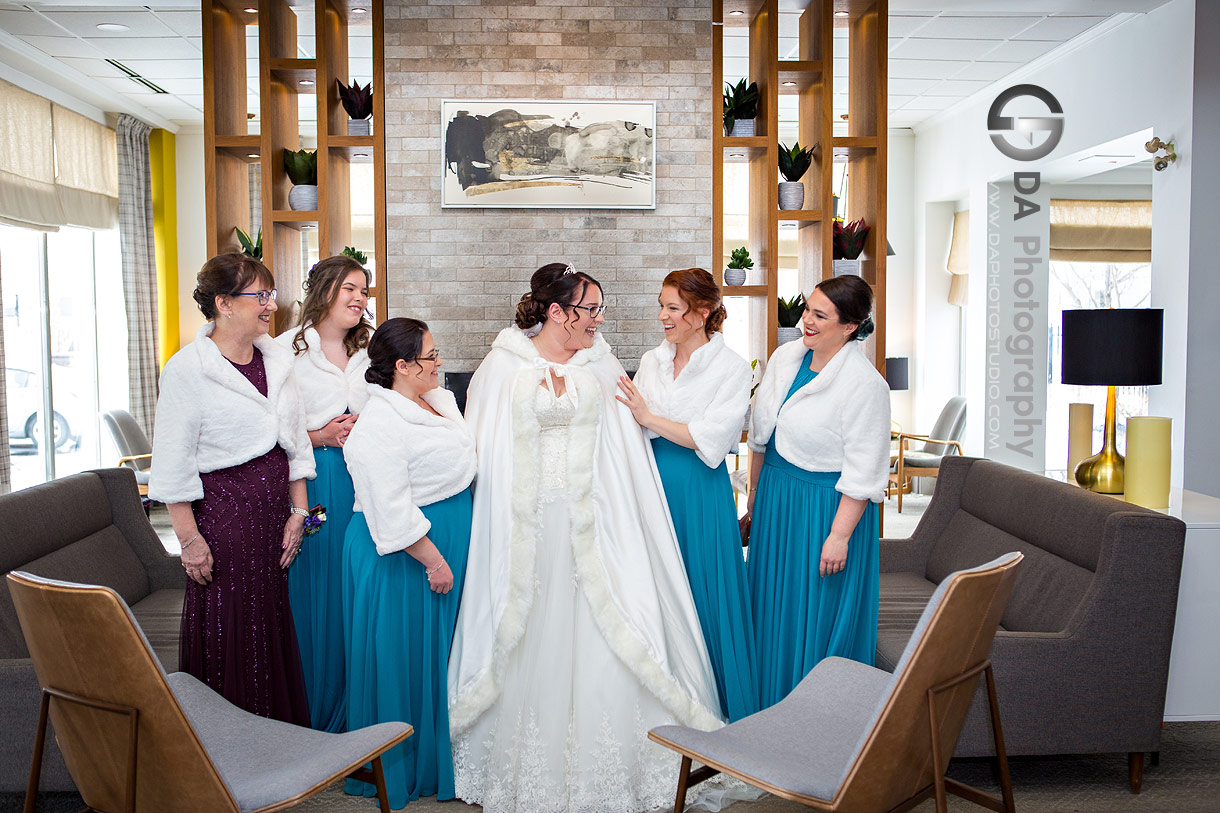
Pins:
x: 567, y: 269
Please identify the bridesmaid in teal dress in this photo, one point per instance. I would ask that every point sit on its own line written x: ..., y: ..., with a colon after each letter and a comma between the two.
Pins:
x: 820, y: 433
x: 412, y: 461
x: 690, y: 395
x: 329, y: 361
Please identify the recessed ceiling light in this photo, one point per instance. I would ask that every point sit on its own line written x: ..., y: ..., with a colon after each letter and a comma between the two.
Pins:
x: 362, y: 155
x: 737, y: 155
x: 360, y: 11
x: 736, y: 13
x: 306, y: 82
x: 840, y: 13
x: 111, y: 27
x: 252, y: 155
x: 789, y: 84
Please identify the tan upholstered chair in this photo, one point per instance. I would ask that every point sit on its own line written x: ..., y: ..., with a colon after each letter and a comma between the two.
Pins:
x: 135, y: 450
x: 137, y: 739
x: 851, y: 737
x: 945, y: 439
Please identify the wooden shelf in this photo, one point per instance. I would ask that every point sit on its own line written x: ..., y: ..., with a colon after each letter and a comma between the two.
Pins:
x: 245, y: 147
x: 744, y: 290
x: 749, y: 9
x: 846, y: 148
x: 294, y: 71
x: 802, y: 74
x: 295, y: 219
x: 356, y: 149
x: 803, y: 216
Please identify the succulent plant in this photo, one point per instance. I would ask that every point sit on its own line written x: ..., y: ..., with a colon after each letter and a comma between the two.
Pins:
x: 740, y: 102
x: 355, y: 254
x: 849, y: 239
x: 302, y: 167
x: 356, y: 100
x: 790, y: 310
x: 794, y: 161
x: 250, y: 248
x: 740, y: 258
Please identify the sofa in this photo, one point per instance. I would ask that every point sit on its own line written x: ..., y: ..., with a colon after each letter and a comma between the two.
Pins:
x: 1082, y: 654
x: 87, y: 527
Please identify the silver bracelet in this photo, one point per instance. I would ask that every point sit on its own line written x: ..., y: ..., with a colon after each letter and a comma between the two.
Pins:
x: 429, y: 572
x: 302, y: 511
x: 188, y: 542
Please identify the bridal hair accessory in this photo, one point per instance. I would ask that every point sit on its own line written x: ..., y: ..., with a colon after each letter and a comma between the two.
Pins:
x: 567, y: 269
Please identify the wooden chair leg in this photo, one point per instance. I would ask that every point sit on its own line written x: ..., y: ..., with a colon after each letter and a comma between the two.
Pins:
x: 1001, y: 754
x: 40, y: 740
x: 1135, y: 770
x: 683, y: 779
x: 379, y: 780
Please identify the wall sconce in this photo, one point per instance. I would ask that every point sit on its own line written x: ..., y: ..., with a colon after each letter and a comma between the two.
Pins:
x: 1162, y: 161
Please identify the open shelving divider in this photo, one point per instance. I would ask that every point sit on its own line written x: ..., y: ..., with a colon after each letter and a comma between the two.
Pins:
x: 812, y: 78
x: 229, y: 147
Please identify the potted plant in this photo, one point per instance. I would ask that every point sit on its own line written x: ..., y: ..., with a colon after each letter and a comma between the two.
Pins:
x: 740, y: 108
x: 848, y: 245
x: 358, y: 102
x: 739, y: 261
x: 355, y: 254
x: 250, y: 248
x: 302, y: 169
x: 790, y: 311
x: 794, y: 162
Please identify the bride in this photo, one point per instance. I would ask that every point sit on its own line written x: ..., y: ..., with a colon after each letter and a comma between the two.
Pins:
x: 577, y: 632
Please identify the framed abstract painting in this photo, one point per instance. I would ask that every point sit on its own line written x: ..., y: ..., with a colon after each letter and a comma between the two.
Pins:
x: 517, y: 153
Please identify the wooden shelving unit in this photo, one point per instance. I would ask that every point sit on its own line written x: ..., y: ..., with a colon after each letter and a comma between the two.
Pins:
x: 229, y: 147
x: 810, y: 78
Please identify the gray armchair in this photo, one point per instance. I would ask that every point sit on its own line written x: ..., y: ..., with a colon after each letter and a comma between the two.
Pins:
x: 924, y: 461
x: 135, y: 450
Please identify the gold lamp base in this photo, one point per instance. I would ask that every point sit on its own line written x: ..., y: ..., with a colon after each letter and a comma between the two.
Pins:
x: 1103, y: 472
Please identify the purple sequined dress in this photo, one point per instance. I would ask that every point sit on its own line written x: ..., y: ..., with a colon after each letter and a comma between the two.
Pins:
x: 237, y: 632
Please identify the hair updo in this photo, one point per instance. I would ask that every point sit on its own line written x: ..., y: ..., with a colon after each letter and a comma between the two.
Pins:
x: 553, y: 282
x: 397, y: 338
x: 853, y: 299
x: 698, y: 290
x: 227, y: 274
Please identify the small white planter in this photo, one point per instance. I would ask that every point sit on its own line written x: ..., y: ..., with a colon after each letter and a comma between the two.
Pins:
x: 746, y: 426
x: 843, y: 268
x: 788, y: 334
x: 734, y: 276
x: 791, y: 195
x: 359, y: 127
x: 742, y: 128
x: 303, y: 198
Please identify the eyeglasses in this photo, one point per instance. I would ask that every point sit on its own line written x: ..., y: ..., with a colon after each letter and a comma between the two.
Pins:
x: 433, y: 357
x: 263, y: 296
x: 593, y: 310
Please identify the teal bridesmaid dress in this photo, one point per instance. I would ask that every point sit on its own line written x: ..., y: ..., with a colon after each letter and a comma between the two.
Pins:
x: 800, y: 617
x: 705, y: 519
x: 399, y: 635
x: 315, y: 595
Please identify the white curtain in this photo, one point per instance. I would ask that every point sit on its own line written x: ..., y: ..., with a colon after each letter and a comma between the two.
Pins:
x: 1101, y: 231
x: 959, y: 258
x: 86, y: 170
x: 27, y: 161
x: 139, y: 267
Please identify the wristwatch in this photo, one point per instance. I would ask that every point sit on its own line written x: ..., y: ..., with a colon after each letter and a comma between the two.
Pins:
x: 303, y: 512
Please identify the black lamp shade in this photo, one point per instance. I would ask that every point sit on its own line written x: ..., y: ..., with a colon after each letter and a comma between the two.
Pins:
x: 896, y: 370
x: 1115, y: 347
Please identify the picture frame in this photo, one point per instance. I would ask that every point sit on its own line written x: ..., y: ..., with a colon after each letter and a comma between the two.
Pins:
x: 548, y: 154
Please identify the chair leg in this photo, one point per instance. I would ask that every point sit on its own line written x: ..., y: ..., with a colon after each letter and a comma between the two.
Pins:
x: 683, y: 778
x: 40, y: 740
x: 1001, y: 754
x: 1135, y: 770
x: 1156, y: 758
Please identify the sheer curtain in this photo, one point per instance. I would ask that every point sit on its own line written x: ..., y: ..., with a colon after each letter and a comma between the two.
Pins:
x: 139, y: 267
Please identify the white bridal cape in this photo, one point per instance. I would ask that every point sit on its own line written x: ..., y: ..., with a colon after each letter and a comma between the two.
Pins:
x: 577, y: 631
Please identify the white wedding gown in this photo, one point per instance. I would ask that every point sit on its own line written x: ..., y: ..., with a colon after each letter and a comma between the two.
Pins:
x: 569, y: 731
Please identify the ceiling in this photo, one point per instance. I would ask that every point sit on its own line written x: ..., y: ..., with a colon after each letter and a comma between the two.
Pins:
x: 938, y: 57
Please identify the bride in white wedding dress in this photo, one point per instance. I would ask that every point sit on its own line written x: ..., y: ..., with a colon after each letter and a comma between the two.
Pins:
x: 577, y: 632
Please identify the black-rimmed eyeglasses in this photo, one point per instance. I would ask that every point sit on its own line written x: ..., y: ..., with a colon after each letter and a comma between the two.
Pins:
x: 593, y: 310
x: 263, y: 296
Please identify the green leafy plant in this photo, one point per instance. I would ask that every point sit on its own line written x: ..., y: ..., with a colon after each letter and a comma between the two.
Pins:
x: 790, y: 310
x: 356, y: 100
x: 740, y: 102
x: 251, y: 248
x: 355, y: 254
x: 755, y: 377
x: 794, y: 161
x: 849, y: 239
x: 302, y: 167
x: 740, y: 258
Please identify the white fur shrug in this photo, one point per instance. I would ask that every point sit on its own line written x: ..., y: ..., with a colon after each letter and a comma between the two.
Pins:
x: 401, y: 457
x: 209, y: 417
x: 840, y: 421
x: 710, y: 396
x: 326, y: 390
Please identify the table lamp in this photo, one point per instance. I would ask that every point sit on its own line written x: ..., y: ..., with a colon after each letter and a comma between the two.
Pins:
x: 1115, y: 347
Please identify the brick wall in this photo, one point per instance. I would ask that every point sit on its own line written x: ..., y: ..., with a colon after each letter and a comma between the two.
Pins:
x: 463, y: 270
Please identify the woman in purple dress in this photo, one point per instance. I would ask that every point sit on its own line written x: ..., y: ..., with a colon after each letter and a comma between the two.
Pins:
x: 230, y: 460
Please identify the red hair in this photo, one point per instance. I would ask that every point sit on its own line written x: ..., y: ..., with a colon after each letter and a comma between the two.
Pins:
x: 698, y: 290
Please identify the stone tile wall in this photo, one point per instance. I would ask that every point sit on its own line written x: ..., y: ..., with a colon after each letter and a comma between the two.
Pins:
x: 463, y: 270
